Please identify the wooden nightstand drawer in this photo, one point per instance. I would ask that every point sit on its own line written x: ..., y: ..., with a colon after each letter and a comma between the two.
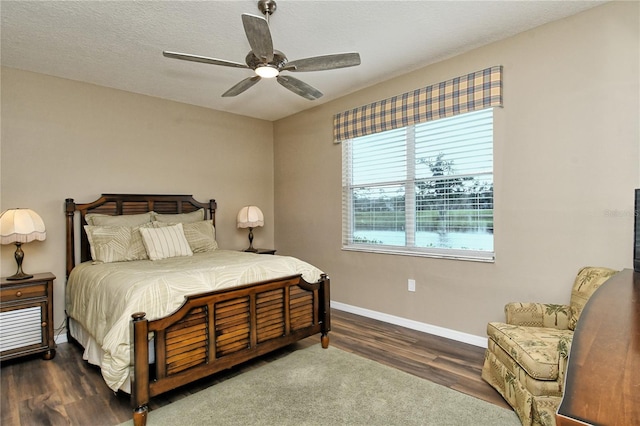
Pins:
x: 24, y: 292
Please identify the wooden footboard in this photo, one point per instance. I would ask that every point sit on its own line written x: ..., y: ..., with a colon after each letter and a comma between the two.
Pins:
x: 214, y: 331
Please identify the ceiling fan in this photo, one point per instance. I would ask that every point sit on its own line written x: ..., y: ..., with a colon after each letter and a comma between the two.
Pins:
x: 269, y: 63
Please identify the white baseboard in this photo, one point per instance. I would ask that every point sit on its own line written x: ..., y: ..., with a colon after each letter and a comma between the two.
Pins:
x: 413, y: 325
x: 391, y: 319
x: 61, y: 338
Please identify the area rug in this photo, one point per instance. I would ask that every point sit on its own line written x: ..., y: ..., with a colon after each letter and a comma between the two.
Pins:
x: 316, y: 386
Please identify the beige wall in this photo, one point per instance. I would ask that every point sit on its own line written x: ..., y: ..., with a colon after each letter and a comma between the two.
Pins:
x: 567, y: 158
x: 63, y: 139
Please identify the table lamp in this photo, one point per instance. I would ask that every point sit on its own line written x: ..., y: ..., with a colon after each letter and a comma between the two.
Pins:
x: 250, y: 217
x: 20, y: 226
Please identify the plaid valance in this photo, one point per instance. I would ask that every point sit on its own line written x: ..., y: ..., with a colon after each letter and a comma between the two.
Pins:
x: 471, y: 92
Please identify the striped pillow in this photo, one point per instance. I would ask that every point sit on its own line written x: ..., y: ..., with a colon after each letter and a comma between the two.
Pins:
x: 168, y: 241
x: 201, y: 235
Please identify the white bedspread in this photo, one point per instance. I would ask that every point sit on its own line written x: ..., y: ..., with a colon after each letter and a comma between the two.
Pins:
x: 103, y: 296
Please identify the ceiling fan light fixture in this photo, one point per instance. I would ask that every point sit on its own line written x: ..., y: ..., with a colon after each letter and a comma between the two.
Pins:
x: 267, y: 71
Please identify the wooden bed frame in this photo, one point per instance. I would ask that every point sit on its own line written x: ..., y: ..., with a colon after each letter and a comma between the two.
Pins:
x: 211, y: 331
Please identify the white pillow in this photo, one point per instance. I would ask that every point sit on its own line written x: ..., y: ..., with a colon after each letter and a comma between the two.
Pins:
x: 168, y: 241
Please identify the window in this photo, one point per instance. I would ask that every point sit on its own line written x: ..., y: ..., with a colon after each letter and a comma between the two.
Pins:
x: 418, y: 169
x: 424, y: 189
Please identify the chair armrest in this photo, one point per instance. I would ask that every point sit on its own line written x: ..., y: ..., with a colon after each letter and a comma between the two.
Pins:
x: 564, y: 348
x: 538, y: 315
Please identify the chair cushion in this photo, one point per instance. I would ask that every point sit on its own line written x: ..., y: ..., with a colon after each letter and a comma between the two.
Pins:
x: 535, y: 349
x: 513, y: 371
x: 587, y: 282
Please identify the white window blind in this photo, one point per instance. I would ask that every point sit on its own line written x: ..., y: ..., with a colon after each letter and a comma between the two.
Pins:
x: 424, y: 189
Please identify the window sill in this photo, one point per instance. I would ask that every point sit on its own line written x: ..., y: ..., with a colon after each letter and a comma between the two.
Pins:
x: 471, y: 256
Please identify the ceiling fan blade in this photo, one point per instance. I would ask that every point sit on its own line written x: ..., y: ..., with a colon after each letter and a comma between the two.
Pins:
x: 242, y: 86
x: 259, y: 36
x: 326, y: 62
x: 299, y: 87
x: 203, y: 59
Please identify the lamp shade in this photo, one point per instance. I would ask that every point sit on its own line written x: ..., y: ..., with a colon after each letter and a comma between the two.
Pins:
x: 250, y: 217
x: 21, y: 226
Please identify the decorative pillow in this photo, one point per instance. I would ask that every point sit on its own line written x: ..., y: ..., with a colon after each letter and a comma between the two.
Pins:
x: 115, y: 243
x: 196, y: 216
x: 96, y: 219
x: 164, y: 242
x: 201, y: 235
x: 586, y: 283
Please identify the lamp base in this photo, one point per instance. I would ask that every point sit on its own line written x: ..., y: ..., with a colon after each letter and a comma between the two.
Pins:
x: 19, y: 276
x: 251, y: 249
x: 19, y: 255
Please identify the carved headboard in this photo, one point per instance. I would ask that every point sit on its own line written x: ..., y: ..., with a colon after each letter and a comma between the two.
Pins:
x: 121, y: 204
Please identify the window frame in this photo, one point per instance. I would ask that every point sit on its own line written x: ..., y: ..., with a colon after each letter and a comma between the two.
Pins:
x: 409, y: 183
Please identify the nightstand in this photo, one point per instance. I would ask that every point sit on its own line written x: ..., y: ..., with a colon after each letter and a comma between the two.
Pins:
x: 266, y: 251
x: 26, y: 317
x: 262, y: 251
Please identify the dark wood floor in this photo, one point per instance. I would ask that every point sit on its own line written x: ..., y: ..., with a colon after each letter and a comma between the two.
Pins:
x: 68, y: 391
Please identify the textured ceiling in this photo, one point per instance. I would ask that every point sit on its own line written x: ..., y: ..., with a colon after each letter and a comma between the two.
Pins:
x: 119, y: 44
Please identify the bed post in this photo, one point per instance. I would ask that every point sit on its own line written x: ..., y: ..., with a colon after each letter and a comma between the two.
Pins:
x: 325, y: 307
x: 140, y: 376
x: 212, y: 211
x: 70, y: 208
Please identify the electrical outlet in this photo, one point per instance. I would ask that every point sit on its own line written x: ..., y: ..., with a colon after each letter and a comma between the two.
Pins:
x: 412, y: 285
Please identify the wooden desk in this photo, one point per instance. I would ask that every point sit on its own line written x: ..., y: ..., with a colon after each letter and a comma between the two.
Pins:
x: 603, y: 375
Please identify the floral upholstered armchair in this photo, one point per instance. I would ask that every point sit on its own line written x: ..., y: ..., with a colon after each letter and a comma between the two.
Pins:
x: 526, y: 356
